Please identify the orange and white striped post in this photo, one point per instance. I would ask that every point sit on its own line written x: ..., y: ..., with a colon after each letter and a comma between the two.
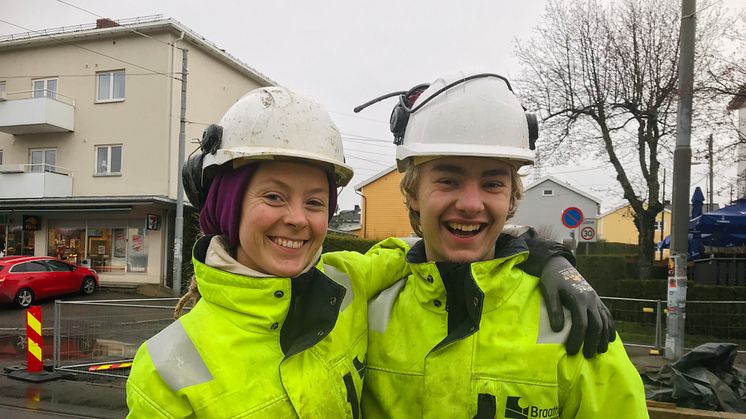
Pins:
x: 34, y: 340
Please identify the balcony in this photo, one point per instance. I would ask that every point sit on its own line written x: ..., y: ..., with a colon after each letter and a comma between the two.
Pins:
x: 34, y: 181
x: 36, y: 115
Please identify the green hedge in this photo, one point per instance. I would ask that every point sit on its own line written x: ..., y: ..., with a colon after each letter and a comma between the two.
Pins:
x: 337, y: 242
x: 609, y: 248
x: 607, y: 267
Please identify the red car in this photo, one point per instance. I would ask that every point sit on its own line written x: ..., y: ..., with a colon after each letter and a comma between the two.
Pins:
x: 26, y: 279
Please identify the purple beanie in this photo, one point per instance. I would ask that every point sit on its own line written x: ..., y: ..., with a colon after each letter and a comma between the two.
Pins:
x: 221, y: 213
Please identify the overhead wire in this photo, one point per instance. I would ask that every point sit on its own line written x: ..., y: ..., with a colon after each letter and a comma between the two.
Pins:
x: 97, y: 52
x: 368, y: 152
x: 129, y: 29
x: 352, y: 155
x: 359, y: 117
x: 363, y: 137
x: 36, y: 76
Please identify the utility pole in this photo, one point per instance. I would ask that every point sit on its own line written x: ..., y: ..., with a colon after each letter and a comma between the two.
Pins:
x: 179, y: 224
x: 682, y: 172
x: 711, y: 194
x: 663, y: 214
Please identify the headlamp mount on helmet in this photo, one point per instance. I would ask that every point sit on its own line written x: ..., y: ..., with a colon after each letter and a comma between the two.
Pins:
x: 402, y: 110
x: 196, y: 182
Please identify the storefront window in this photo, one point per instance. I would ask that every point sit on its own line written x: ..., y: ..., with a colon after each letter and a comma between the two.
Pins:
x: 137, y: 258
x: 3, y: 229
x: 101, y: 249
x: 19, y: 242
x: 118, y: 249
x: 66, y: 244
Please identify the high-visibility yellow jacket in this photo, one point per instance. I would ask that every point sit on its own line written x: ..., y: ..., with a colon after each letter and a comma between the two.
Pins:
x: 266, y: 347
x: 473, y: 341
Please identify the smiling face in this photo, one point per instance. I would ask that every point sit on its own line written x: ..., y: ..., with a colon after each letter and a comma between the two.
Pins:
x: 463, y: 204
x: 284, y: 218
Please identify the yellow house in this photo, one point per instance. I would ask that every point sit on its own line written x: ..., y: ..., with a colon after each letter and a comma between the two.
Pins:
x: 618, y: 226
x: 383, y: 211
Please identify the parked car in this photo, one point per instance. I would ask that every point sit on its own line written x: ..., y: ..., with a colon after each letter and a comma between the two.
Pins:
x: 24, y: 280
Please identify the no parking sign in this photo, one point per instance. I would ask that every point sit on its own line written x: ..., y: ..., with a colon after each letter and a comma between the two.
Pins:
x: 572, y: 217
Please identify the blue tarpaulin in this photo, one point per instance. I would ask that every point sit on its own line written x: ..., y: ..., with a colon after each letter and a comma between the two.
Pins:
x: 727, y: 221
x: 725, y: 227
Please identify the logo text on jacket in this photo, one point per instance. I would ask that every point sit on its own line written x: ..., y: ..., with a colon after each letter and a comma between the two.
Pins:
x: 513, y: 410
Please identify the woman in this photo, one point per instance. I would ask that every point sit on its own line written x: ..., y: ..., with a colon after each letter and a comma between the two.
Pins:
x: 281, y: 330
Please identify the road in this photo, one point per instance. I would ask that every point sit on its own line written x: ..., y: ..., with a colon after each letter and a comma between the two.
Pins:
x: 88, y: 332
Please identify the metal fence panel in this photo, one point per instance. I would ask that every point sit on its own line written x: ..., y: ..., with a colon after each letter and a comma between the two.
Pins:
x: 715, y: 321
x: 637, y: 321
x: 643, y: 322
x: 91, y: 333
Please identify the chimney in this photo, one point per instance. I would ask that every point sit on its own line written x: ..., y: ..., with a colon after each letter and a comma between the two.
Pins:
x: 105, y: 23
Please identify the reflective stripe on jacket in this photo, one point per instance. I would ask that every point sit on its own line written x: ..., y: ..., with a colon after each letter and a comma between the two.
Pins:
x: 266, y: 347
x: 474, y: 341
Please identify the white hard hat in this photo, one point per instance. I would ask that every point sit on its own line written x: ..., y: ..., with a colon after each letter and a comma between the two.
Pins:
x: 467, y: 116
x: 271, y: 122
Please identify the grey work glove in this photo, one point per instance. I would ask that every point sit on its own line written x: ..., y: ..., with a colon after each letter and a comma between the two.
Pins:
x: 592, y: 326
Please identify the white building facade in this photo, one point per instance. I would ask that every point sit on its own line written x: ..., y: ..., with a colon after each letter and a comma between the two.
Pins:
x: 544, y: 202
x: 89, y: 139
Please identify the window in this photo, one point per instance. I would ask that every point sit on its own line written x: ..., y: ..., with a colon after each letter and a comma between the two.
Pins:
x: 3, y: 92
x: 109, y: 160
x: 110, y: 86
x: 34, y: 266
x: 43, y: 159
x: 57, y: 266
x: 1, y: 156
x: 66, y: 243
x: 45, y: 88
x: 547, y: 192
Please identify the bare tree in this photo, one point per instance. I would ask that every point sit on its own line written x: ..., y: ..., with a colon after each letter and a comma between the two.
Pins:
x: 604, y: 76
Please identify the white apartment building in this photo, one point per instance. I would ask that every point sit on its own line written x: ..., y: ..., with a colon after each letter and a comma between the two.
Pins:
x: 89, y: 137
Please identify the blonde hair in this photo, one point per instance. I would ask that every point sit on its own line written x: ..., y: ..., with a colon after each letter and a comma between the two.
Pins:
x: 192, y: 295
x: 411, y: 180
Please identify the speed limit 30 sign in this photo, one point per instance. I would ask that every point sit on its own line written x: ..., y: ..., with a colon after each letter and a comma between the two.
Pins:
x: 587, y: 231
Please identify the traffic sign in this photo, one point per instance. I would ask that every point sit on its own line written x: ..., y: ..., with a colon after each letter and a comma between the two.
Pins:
x: 587, y: 232
x: 572, y: 217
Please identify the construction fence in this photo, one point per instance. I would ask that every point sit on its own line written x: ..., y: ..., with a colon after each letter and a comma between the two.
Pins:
x: 642, y: 322
x: 95, y: 337
x: 101, y: 337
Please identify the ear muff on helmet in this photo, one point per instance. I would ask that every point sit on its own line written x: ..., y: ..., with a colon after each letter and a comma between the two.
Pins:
x: 533, y: 130
x: 191, y: 177
x: 402, y: 110
x: 196, y: 182
x: 400, y: 113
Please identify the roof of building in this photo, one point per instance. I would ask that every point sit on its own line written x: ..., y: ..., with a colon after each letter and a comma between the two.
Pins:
x: 375, y: 177
x: 562, y: 184
x: 140, y: 26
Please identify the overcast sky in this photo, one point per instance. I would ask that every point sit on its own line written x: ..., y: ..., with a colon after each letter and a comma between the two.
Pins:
x: 345, y: 52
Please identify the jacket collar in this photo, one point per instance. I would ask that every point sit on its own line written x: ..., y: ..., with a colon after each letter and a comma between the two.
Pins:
x: 494, y: 279
x: 268, y: 304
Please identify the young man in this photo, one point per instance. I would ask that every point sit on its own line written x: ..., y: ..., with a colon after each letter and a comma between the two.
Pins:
x: 466, y: 334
